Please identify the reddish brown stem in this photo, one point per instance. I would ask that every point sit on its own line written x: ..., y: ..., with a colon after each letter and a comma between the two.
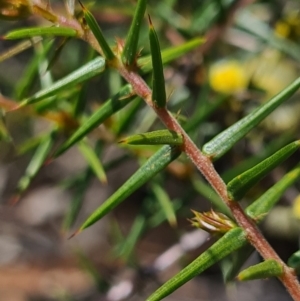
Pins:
x: 205, y: 166
x: 202, y: 162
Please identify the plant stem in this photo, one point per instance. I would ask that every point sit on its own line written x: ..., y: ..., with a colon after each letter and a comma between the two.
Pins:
x: 202, y: 162
x: 205, y: 166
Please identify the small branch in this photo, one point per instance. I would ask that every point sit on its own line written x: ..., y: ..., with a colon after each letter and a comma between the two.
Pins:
x: 202, y: 162
x: 205, y: 166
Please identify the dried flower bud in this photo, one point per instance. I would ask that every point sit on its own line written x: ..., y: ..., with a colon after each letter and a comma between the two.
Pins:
x: 12, y: 10
x: 213, y: 222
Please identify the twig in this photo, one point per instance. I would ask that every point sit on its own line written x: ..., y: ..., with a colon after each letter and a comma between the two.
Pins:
x: 205, y: 166
x: 202, y: 162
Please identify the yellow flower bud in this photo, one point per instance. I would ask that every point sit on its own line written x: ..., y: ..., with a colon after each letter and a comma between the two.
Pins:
x: 12, y: 10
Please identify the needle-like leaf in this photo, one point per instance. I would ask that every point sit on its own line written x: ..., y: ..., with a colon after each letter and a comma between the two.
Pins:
x: 155, y: 164
x: 238, y: 187
x: 158, y: 81
x: 258, y: 211
x: 82, y: 74
x: 223, y: 142
x: 231, y: 241
x: 129, y: 54
x: 263, y: 270
x: 266, y: 151
x: 111, y: 106
x: 40, y: 31
x: 93, y: 25
x: 266, y: 202
x: 154, y: 138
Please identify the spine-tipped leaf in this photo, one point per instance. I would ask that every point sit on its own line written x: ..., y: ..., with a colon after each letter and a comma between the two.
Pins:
x: 223, y: 142
x: 258, y: 211
x: 84, y: 73
x: 129, y: 54
x: 263, y: 270
x: 155, y: 138
x: 154, y: 165
x: 111, y: 106
x: 266, y: 151
x: 158, y: 84
x: 266, y: 202
x: 40, y: 31
x: 231, y: 241
x: 238, y: 187
x: 96, y: 30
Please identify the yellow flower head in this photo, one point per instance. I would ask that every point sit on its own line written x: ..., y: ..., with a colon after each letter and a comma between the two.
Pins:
x: 228, y: 77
